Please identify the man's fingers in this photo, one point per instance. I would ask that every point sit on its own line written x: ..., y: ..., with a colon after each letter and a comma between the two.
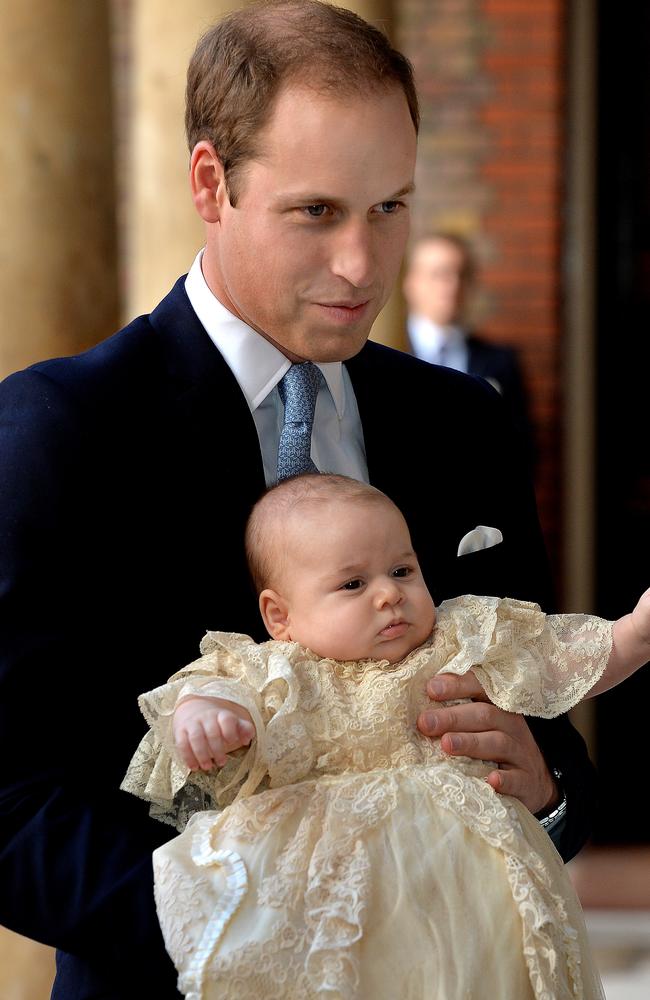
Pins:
x: 448, y: 687
x: 495, y: 779
x: 494, y: 745
x: 471, y: 717
x: 509, y: 782
x: 480, y: 730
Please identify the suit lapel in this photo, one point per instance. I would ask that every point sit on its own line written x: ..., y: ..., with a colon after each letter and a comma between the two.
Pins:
x: 210, y: 413
x: 476, y: 360
x: 388, y: 439
x: 375, y: 420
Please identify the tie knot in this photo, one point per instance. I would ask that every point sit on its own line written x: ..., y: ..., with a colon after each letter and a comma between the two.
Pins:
x: 298, y: 390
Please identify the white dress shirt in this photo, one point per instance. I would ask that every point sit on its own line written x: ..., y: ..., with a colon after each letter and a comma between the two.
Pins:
x: 439, y: 345
x: 337, y: 437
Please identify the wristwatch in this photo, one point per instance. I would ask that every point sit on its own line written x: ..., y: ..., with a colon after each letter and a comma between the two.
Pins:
x: 551, y: 820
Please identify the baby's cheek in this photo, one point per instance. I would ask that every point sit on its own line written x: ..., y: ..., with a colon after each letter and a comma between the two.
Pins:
x: 429, y: 620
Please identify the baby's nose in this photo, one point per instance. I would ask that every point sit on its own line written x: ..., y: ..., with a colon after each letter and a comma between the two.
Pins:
x: 389, y: 593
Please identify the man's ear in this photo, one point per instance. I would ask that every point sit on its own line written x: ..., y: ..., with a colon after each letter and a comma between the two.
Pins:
x: 275, y: 612
x: 207, y: 181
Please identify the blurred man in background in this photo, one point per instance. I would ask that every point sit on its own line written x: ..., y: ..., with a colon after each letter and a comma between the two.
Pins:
x: 440, y: 277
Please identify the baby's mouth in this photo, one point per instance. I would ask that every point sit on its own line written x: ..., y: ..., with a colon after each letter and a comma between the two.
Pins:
x: 394, y: 629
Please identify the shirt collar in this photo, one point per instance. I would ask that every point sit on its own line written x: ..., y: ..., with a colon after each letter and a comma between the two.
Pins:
x: 255, y: 362
x: 433, y: 334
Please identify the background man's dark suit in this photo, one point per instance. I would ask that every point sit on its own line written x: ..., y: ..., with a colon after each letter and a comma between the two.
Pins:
x: 126, y: 477
x: 500, y: 366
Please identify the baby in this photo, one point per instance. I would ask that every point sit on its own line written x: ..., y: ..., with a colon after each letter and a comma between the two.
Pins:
x: 343, y: 852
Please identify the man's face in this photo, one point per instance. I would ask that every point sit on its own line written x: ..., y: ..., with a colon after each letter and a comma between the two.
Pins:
x: 352, y: 583
x: 435, y: 284
x: 310, y: 253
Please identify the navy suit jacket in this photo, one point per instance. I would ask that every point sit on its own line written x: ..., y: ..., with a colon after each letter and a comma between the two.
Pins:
x: 500, y: 366
x: 126, y: 477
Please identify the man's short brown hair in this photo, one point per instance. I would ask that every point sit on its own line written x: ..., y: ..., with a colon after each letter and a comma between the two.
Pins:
x: 240, y: 64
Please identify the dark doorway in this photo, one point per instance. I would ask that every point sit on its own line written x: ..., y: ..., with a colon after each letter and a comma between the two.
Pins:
x: 623, y: 393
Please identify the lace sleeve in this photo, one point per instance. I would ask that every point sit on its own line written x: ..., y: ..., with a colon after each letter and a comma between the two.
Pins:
x: 232, y: 667
x: 529, y: 662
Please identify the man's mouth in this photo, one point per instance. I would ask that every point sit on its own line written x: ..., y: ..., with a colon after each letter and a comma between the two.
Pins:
x: 344, y: 311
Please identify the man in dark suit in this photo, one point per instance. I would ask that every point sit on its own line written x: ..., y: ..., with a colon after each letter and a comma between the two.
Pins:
x: 127, y: 474
x: 440, y: 276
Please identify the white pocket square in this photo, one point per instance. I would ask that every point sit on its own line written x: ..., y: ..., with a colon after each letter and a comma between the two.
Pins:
x: 480, y: 537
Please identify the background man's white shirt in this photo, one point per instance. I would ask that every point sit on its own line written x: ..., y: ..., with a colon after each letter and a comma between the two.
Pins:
x: 439, y: 345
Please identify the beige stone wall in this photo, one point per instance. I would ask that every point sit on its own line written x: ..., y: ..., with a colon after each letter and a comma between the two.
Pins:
x: 58, y: 263
x: 57, y: 233
x: 162, y: 231
x: 26, y: 968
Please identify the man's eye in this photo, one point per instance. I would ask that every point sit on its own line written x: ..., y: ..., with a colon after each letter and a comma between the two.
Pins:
x: 388, y: 207
x: 352, y: 585
x: 316, y: 211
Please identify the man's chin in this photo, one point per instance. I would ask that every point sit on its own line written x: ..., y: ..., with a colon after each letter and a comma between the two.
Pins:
x: 332, y: 357
x: 320, y: 343
x: 327, y: 348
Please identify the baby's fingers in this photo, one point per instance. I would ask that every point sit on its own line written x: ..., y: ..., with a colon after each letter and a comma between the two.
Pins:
x: 194, y: 747
x: 216, y: 738
x: 205, y: 740
x: 235, y: 731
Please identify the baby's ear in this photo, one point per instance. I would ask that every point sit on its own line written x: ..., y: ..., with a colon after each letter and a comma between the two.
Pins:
x: 275, y: 610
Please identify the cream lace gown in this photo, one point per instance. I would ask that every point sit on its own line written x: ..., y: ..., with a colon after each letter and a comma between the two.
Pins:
x: 342, y: 854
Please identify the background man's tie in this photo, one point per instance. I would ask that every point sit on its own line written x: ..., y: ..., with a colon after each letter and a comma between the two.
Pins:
x: 298, y: 390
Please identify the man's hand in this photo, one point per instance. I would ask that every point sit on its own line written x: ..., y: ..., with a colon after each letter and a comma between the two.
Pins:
x: 479, y: 729
x: 206, y: 729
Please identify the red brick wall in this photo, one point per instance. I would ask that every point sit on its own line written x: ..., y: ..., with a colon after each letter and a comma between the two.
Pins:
x: 492, y: 84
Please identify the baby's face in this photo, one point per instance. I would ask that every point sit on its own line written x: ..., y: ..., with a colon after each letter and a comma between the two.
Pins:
x: 352, y: 583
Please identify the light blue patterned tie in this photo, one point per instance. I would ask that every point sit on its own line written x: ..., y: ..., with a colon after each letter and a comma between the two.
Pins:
x: 298, y: 390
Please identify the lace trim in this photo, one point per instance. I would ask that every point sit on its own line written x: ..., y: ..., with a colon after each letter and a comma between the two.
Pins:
x: 204, y: 855
x: 547, y: 931
x: 324, y: 872
x: 526, y: 661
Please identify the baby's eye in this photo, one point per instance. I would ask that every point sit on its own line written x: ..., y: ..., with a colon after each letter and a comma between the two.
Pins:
x: 402, y: 571
x: 352, y: 585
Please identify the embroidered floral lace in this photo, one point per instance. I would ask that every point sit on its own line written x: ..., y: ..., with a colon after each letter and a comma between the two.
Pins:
x: 318, y: 808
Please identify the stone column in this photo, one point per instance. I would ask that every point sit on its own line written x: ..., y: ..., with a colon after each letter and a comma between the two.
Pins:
x: 26, y: 968
x: 390, y: 326
x: 57, y: 235
x: 58, y: 285
x: 162, y: 231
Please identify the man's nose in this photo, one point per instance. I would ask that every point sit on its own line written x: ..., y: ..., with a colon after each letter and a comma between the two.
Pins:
x: 353, y: 255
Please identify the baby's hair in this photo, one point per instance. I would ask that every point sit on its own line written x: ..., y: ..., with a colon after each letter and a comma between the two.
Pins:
x: 272, y: 510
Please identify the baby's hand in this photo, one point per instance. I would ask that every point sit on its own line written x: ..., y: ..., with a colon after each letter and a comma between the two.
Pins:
x: 206, y: 729
x: 641, y: 618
